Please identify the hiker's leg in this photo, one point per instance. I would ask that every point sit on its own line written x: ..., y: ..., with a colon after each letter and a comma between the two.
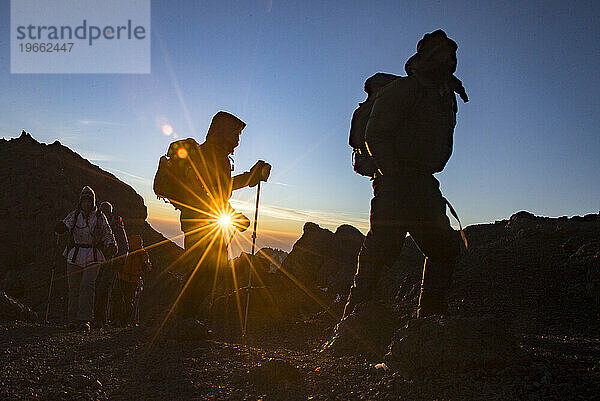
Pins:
x: 136, y: 303
x: 74, y: 274
x: 118, y: 302
x: 440, y: 243
x: 114, y: 302
x: 102, y: 287
x: 199, y: 277
x: 129, y: 292
x: 382, y: 244
x: 111, y: 290
x: 87, y: 291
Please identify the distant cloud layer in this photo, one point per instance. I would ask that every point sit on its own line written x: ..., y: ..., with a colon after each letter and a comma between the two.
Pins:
x: 99, y: 122
x: 322, y: 217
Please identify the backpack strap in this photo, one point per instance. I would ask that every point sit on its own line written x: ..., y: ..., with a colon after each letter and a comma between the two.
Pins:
x: 71, y: 243
x: 94, y: 246
x: 455, y: 215
x: 97, y: 244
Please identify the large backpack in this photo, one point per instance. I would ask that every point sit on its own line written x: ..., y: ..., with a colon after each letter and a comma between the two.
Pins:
x: 169, y: 181
x: 362, y: 161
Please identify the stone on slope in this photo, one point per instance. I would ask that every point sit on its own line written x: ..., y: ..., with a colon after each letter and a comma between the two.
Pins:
x: 11, y: 309
x: 452, y: 344
x: 367, y: 331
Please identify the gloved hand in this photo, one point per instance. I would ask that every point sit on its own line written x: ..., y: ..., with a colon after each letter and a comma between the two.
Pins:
x: 241, y: 222
x: 259, y: 172
x: 60, y: 227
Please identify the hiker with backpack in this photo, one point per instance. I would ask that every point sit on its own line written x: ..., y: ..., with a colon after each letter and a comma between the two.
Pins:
x: 196, y: 179
x: 108, y: 270
x: 90, y: 242
x: 130, y: 283
x: 402, y: 135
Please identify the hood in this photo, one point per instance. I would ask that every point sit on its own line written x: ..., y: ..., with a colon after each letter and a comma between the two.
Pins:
x: 106, y: 208
x: 89, y: 193
x: 223, y: 126
x: 419, y: 62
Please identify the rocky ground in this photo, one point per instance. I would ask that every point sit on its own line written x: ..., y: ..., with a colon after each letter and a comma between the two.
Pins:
x: 39, y: 361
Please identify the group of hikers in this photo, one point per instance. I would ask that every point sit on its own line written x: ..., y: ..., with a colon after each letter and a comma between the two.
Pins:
x: 104, y: 266
x: 401, y: 135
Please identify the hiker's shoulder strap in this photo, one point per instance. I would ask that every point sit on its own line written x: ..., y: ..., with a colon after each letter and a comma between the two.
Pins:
x: 455, y: 215
x: 71, y: 219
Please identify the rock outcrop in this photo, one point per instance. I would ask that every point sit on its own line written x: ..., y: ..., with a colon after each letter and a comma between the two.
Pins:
x: 534, y: 275
x: 323, y: 259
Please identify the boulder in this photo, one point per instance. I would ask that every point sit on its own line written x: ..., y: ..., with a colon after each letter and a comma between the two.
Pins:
x: 367, y: 331
x: 452, y: 344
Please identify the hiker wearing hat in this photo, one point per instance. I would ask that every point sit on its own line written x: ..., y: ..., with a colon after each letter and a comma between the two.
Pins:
x: 90, y: 243
x: 197, y: 180
x: 409, y: 136
x: 108, y: 270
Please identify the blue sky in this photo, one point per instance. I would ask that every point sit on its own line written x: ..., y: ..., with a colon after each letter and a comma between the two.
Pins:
x: 527, y: 140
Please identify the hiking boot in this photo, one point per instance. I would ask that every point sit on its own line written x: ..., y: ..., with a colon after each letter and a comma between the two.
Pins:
x: 432, y: 302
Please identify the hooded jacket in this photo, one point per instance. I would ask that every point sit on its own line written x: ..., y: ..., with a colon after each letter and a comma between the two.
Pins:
x: 207, y: 172
x: 89, y: 233
x: 411, y: 125
x: 118, y: 228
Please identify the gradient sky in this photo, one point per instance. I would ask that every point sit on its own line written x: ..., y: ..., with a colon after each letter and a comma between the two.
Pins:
x: 527, y: 140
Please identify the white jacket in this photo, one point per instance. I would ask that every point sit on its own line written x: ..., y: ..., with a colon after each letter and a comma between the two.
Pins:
x: 91, y: 231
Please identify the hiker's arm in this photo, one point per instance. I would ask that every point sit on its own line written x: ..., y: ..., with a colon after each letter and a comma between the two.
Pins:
x: 64, y: 226
x: 121, y: 238
x: 107, y: 239
x: 241, y: 180
x: 390, y: 109
x: 259, y: 172
x: 61, y: 228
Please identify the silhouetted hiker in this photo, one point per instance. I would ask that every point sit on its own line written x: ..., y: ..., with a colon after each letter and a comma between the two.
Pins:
x: 409, y: 135
x: 197, y: 180
x: 108, y: 270
x: 129, y: 284
x: 90, y: 243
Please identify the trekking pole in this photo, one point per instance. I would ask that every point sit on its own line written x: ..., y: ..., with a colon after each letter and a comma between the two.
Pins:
x: 251, y: 265
x: 51, y: 278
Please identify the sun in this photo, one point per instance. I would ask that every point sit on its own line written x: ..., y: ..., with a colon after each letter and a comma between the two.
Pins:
x: 225, y: 221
